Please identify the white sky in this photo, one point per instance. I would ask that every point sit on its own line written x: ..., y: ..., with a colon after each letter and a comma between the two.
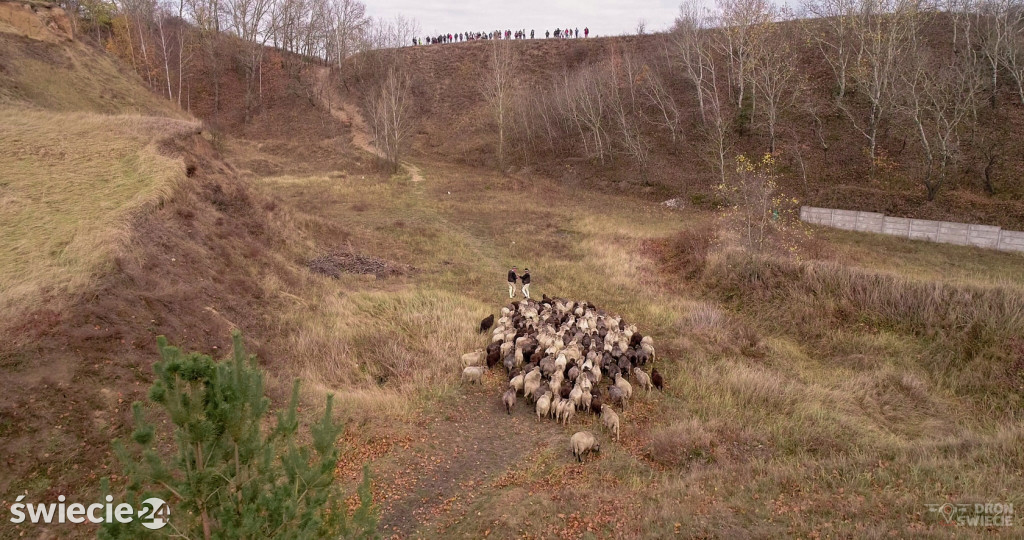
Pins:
x: 604, y: 17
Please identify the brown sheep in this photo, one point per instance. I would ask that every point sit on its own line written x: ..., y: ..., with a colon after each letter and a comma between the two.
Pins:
x: 657, y: 380
x: 486, y: 324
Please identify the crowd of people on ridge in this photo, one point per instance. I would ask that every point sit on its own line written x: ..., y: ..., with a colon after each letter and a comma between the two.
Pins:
x: 559, y: 33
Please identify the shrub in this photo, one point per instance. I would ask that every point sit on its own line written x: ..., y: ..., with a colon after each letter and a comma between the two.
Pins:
x: 230, y: 477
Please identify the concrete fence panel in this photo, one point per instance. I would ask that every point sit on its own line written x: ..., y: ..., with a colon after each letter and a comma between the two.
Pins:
x: 985, y: 236
x: 1011, y: 241
x: 953, y: 233
x: 924, y: 229
x: 896, y: 226
x: 946, y: 232
x: 870, y: 222
x: 845, y: 219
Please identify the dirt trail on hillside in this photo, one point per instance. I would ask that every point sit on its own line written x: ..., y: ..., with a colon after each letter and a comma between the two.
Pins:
x: 347, y: 113
x: 464, y: 454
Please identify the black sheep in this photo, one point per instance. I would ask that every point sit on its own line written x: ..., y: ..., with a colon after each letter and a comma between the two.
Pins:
x: 595, y: 401
x: 657, y: 380
x: 565, y: 390
x: 486, y: 324
x: 635, y: 340
x: 493, y: 356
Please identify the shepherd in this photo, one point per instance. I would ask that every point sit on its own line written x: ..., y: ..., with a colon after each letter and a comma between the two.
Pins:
x: 512, y: 277
x: 526, y: 283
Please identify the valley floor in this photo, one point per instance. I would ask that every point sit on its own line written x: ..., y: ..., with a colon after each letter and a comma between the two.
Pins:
x: 835, y: 431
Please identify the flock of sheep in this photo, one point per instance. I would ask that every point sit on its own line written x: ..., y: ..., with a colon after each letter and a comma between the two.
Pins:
x: 556, y: 353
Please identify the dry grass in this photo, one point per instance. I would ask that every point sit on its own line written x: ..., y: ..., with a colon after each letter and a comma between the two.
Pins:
x: 67, y: 194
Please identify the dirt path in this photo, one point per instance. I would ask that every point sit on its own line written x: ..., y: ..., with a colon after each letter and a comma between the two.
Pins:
x: 347, y: 113
x: 463, y: 456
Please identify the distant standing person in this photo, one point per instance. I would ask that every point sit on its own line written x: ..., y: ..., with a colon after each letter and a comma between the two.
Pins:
x: 512, y: 277
x: 526, y: 283
x: 547, y: 34
x: 586, y: 31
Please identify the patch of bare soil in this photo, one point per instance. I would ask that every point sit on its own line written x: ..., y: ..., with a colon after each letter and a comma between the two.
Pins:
x: 335, y: 263
x: 461, y: 454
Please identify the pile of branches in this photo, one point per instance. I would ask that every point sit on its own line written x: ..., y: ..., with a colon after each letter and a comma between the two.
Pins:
x: 335, y: 263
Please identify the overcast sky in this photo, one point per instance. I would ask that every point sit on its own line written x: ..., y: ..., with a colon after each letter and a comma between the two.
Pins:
x: 604, y: 17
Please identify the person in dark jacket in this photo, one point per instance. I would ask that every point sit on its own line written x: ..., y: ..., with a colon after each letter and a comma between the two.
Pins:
x: 512, y: 277
x: 526, y: 283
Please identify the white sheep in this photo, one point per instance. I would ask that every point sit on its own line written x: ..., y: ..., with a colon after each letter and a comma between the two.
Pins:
x: 622, y: 383
x: 473, y: 374
x: 566, y: 411
x: 643, y: 379
x: 585, y: 400
x: 475, y: 358
x: 575, y: 396
x: 544, y: 405
x: 582, y: 442
x: 516, y: 383
x: 610, y: 420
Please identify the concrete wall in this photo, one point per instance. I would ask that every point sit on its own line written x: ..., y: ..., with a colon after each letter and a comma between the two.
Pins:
x: 946, y: 232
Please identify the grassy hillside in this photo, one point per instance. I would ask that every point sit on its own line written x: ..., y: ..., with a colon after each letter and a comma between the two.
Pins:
x: 823, y: 158
x: 70, y: 194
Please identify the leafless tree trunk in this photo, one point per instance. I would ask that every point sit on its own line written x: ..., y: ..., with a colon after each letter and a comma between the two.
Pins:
x: 884, y: 30
x: 938, y: 98
x: 498, y: 90
x: 776, y: 79
x: 390, y: 121
x: 832, y: 31
x: 743, y: 23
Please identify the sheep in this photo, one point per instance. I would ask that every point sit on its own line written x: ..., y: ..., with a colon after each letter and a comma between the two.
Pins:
x: 531, y: 382
x: 486, y: 323
x: 474, y: 358
x: 540, y: 391
x: 596, y: 402
x: 565, y: 389
x: 566, y: 411
x: 643, y: 379
x: 556, y: 402
x: 582, y: 442
x: 610, y: 420
x: 621, y: 382
x: 506, y: 348
x: 509, y: 399
x: 657, y: 380
x: 616, y: 395
x: 585, y: 399
x: 575, y: 396
x: 516, y: 383
x: 543, y: 405
x: 473, y: 374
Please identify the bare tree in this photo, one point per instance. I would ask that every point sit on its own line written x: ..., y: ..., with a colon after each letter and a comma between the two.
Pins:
x: 348, y: 24
x: 775, y: 77
x: 250, y: 21
x: 884, y: 31
x: 997, y: 20
x: 692, y: 49
x: 498, y: 90
x: 743, y: 24
x: 832, y: 31
x: 938, y: 99
x: 390, y: 117
x: 1012, y: 54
